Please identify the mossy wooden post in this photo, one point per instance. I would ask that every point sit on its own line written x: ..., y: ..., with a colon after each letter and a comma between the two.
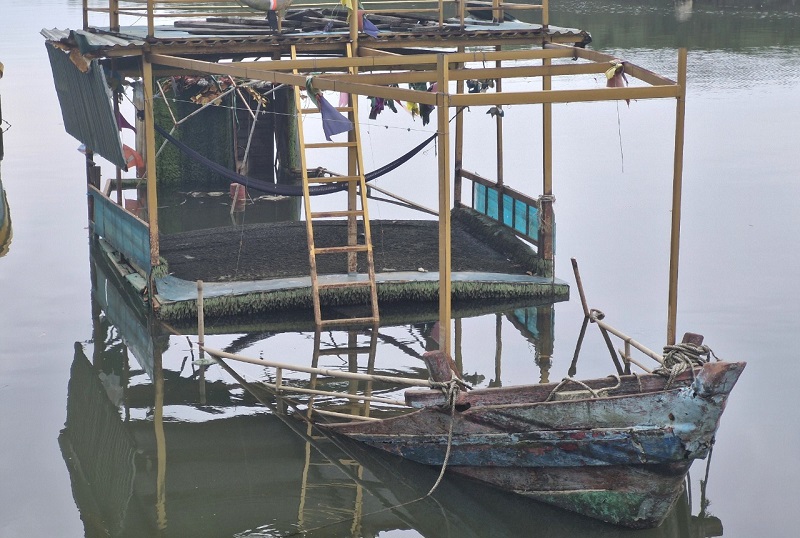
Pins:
x: 118, y: 175
x: 499, y: 125
x: 677, y: 183
x: 443, y: 109
x: 150, y: 159
x: 354, y: 16
x: 546, y: 229
x: 113, y: 15
x: 286, y: 137
x: 352, y: 170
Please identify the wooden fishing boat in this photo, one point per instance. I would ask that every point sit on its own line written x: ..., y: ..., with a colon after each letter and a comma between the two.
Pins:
x: 616, y: 449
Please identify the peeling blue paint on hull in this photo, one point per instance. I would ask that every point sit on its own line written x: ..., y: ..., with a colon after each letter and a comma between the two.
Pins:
x: 620, y: 458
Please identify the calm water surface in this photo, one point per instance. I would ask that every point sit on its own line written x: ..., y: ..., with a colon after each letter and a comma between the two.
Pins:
x: 234, y: 469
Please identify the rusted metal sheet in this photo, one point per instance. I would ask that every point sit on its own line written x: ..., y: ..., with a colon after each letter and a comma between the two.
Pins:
x: 522, y: 438
x: 85, y: 101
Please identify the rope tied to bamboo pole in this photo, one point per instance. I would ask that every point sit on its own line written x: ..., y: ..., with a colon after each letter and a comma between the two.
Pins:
x: 451, y: 390
x: 681, y: 357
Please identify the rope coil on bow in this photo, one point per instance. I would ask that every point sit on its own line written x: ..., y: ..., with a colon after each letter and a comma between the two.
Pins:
x: 681, y: 357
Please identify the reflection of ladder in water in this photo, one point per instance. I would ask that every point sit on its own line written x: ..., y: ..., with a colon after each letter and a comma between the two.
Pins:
x: 317, y: 466
x: 356, y: 189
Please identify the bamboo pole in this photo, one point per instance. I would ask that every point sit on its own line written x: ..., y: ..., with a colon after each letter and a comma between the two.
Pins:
x: 150, y: 160
x: 161, y: 443
x: 357, y: 397
x: 151, y: 30
x: 677, y: 183
x: 443, y: 108
x: 318, y: 371
x: 628, y: 340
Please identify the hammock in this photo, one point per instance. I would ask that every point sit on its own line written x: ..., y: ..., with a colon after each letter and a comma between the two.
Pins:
x: 287, y: 190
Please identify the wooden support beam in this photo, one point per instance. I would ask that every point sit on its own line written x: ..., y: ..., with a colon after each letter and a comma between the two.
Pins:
x: 320, y: 82
x: 445, y: 275
x: 368, y: 62
x: 565, y: 96
x: 677, y: 183
x: 632, y: 70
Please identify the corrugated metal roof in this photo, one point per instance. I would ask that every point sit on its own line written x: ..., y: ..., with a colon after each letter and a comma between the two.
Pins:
x: 86, y: 108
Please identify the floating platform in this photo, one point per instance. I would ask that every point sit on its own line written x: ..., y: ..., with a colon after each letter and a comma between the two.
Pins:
x: 252, y: 269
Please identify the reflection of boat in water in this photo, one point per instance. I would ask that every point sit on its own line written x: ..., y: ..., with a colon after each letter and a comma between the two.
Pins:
x: 5, y: 222
x: 264, y: 474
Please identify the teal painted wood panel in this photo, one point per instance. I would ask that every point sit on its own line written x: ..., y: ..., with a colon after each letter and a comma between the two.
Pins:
x: 121, y: 230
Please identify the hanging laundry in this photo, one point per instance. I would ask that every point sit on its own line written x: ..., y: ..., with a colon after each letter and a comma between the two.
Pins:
x: 479, y: 86
x: 496, y: 111
x: 376, y: 106
x: 425, y: 110
x: 369, y: 28
x: 414, y: 108
x: 333, y: 121
x: 132, y: 157
x: 122, y: 123
x: 615, y: 76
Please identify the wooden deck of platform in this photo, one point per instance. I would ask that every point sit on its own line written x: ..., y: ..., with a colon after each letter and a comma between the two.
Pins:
x: 264, y: 267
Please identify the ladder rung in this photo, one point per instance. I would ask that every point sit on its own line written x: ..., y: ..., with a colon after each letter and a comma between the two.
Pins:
x: 348, y: 321
x: 324, y: 145
x: 346, y: 248
x: 333, y: 179
x: 341, y: 350
x: 316, y: 110
x: 353, y: 284
x: 331, y: 214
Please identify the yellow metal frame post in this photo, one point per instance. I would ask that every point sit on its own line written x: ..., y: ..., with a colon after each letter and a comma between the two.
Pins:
x: 150, y: 160
x: 443, y: 108
x: 459, y: 150
x: 677, y: 185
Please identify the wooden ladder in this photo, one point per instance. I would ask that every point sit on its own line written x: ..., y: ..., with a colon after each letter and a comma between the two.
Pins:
x: 356, y: 190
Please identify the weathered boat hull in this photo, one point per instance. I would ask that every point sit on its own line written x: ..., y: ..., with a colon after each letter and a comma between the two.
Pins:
x: 636, y: 496
x: 619, y: 458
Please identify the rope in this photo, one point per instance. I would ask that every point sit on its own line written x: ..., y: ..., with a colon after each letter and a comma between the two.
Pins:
x: 599, y: 393
x: 681, y: 357
x: 451, y: 390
